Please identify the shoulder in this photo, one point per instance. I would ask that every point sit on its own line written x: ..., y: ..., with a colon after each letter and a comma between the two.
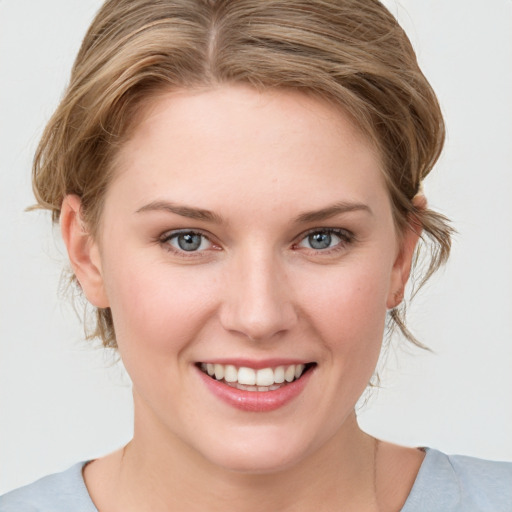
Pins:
x: 460, y: 483
x: 60, y: 492
x: 485, y: 482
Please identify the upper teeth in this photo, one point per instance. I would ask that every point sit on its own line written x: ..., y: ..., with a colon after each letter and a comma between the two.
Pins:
x: 252, y: 377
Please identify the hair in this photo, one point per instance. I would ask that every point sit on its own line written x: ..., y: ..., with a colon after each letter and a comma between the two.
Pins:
x: 352, y: 53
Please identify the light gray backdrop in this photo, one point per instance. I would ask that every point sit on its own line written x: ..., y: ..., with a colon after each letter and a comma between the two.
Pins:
x: 59, y: 403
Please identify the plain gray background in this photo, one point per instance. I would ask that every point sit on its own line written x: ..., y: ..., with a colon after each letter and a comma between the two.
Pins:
x: 60, y: 402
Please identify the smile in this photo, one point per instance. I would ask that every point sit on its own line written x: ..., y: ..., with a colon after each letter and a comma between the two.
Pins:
x: 250, y: 379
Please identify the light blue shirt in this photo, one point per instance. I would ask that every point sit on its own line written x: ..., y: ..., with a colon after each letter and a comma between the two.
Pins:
x: 444, y: 484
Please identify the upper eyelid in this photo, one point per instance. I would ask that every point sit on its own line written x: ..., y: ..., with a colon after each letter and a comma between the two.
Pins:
x: 340, y: 231
x: 347, y: 238
x: 343, y: 232
x: 164, y: 240
x: 166, y: 235
x: 328, y: 228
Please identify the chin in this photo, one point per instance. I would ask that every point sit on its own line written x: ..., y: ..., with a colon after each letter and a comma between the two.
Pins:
x: 257, y: 462
x: 258, y: 454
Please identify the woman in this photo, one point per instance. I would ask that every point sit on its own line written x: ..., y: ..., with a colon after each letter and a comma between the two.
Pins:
x: 238, y: 186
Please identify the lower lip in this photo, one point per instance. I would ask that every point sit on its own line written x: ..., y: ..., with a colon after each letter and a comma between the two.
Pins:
x: 256, y: 401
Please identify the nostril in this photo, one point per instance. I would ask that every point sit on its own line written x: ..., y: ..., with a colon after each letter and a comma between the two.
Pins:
x: 258, y: 323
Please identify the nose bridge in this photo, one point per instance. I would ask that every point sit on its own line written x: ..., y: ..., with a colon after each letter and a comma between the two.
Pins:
x: 258, y: 303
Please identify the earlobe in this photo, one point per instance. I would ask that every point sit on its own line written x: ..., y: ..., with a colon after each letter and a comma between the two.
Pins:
x: 83, y: 252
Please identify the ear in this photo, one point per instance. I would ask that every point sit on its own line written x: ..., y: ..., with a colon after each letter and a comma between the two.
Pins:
x: 83, y: 252
x: 403, y: 262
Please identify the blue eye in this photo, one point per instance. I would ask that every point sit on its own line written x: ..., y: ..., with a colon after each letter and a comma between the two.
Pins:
x: 323, y: 239
x: 188, y: 241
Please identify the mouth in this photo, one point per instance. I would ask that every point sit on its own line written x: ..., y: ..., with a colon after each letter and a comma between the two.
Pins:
x: 245, y: 378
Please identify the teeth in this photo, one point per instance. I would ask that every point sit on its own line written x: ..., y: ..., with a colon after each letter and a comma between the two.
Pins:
x: 279, y: 375
x: 289, y: 373
x: 246, y: 376
x: 299, y: 368
x: 219, y: 371
x: 265, y: 377
x: 230, y: 373
x: 249, y: 379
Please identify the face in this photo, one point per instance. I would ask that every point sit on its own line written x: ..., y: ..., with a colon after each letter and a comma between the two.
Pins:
x: 248, y: 253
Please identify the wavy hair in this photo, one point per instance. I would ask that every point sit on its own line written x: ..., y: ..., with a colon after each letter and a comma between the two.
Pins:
x: 352, y: 53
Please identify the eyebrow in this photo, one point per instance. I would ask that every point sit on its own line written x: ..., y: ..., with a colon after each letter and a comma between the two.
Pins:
x: 183, y: 211
x: 332, y: 211
x: 209, y: 216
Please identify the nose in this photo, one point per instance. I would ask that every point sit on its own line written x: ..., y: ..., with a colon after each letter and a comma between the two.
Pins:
x: 258, y: 297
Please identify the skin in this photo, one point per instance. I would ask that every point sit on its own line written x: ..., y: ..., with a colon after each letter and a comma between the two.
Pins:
x: 256, y: 289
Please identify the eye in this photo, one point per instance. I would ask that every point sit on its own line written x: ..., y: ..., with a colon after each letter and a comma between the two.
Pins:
x: 188, y: 241
x: 324, y: 239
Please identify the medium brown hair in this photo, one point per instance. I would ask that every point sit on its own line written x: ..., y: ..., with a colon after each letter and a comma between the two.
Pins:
x: 351, y: 53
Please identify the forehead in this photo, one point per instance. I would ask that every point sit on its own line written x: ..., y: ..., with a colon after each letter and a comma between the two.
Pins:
x: 251, y: 147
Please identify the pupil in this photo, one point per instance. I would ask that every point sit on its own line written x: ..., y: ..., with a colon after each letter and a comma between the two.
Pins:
x: 320, y: 240
x: 189, y: 241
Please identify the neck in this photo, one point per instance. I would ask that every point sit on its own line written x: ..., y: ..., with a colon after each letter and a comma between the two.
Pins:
x: 156, y: 472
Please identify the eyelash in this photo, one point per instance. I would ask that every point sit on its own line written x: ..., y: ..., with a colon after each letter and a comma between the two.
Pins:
x: 170, y: 235
x: 346, y: 238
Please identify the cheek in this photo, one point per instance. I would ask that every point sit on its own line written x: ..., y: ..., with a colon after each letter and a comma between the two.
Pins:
x: 158, y: 313
x: 157, y: 307
x: 349, y: 308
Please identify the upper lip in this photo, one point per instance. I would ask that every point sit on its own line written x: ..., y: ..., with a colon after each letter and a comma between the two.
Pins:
x: 256, y: 364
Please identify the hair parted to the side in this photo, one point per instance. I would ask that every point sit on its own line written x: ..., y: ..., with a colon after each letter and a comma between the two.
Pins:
x: 351, y: 53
